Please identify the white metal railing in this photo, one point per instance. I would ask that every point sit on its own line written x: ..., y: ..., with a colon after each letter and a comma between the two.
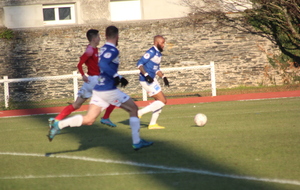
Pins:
x: 75, y: 77
x: 6, y: 82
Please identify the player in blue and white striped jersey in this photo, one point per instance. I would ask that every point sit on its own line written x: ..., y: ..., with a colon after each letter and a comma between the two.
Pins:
x: 149, y: 66
x: 106, y: 92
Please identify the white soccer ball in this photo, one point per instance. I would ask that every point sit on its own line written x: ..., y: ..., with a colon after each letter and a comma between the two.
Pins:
x: 200, y: 119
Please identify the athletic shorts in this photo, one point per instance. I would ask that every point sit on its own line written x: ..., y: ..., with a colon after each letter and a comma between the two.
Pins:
x: 86, y: 90
x: 151, y: 89
x: 104, y: 98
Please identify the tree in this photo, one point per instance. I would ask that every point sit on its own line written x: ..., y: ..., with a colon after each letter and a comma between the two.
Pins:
x: 279, y: 20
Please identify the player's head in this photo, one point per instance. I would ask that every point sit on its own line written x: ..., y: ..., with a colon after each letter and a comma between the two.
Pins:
x: 93, y: 36
x: 112, y: 34
x: 159, y: 42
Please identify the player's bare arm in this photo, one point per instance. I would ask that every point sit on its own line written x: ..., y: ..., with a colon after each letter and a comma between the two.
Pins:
x: 160, y: 74
x: 141, y: 68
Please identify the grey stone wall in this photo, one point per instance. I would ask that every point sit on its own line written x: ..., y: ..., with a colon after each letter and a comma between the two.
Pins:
x: 240, y: 57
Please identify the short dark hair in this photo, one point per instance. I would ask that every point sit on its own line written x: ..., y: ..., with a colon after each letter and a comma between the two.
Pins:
x: 92, y: 33
x: 111, y: 32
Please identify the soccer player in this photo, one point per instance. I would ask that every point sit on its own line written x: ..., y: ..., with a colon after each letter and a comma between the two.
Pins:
x: 90, y: 59
x: 106, y: 92
x: 149, y: 66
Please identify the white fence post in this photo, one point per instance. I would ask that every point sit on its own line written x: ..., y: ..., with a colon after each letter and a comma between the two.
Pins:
x: 75, y: 84
x: 144, y: 94
x: 213, y: 78
x: 6, y: 91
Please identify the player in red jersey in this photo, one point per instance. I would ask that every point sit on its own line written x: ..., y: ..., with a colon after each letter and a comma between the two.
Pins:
x: 90, y: 59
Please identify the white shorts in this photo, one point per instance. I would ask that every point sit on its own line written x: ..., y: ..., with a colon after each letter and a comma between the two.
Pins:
x: 151, y: 89
x: 86, y: 90
x: 104, y: 98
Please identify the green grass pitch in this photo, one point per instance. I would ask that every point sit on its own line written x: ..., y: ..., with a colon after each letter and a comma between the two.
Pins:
x: 244, y: 145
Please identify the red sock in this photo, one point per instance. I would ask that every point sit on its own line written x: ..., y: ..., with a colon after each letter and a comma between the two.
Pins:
x: 108, y: 111
x: 65, y: 112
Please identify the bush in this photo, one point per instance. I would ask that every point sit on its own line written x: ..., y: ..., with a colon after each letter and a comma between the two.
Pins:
x: 6, y: 33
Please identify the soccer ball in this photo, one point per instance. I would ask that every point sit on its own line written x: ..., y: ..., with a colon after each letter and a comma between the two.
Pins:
x: 200, y: 119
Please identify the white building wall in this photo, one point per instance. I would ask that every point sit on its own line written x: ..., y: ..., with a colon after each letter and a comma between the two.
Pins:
x: 1, y: 17
x: 125, y: 10
x: 162, y: 9
x: 23, y: 16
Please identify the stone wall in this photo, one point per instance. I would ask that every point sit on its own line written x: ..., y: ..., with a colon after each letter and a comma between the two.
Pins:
x: 239, y: 56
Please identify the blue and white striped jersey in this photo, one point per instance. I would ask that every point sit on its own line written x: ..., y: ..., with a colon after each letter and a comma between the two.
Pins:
x: 151, y: 62
x: 108, y: 64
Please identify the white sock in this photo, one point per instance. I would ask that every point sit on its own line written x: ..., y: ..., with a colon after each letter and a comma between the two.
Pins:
x: 74, y: 121
x: 134, y: 123
x: 154, y: 117
x: 152, y: 107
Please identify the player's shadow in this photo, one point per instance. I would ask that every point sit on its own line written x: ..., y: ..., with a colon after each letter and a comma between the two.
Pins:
x: 88, y: 139
x: 143, y: 124
x: 163, y: 154
x: 89, y: 131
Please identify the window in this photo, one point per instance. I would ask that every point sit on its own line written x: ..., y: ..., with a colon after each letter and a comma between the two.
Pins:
x: 59, y: 14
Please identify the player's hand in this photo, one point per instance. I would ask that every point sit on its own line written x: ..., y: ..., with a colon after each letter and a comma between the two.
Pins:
x: 148, y: 78
x: 166, y: 81
x: 117, y: 80
x: 85, y: 78
x: 124, y: 82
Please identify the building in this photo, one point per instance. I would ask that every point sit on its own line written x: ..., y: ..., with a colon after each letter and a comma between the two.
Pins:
x: 40, y: 13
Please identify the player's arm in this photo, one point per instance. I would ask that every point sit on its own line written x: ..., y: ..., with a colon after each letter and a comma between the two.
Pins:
x: 142, y: 70
x: 140, y: 64
x: 87, y: 54
x: 161, y: 75
x: 149, y: 79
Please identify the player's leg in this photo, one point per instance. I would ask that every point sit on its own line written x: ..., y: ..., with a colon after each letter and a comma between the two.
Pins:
x: 75, y: 121
x: 84, y: 93
x: 134, y: 122
x: 97, y: 104
x: 94, y: 110
x: 154, y: 106
x: 105, y: 119
x: 67, y: 110
x: 153, y: 90
x: 108, y: 111
x: 70, y: 108
x: 122, y: 100
x: 79, y: 120
x: 160, y: 101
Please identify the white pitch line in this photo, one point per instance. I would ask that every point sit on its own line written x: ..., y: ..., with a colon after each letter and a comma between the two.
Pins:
x: 87, y: 175
x: 264, y: 99
x: 202, y: 172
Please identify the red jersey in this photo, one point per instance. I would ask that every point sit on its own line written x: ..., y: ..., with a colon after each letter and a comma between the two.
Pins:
x: 90, y: 58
